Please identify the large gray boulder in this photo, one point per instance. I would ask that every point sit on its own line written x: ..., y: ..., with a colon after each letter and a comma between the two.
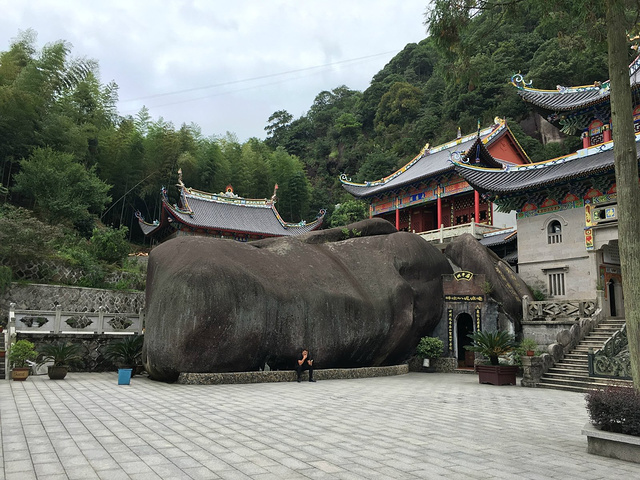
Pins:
x: 506, y: 286
x: 222, y: 306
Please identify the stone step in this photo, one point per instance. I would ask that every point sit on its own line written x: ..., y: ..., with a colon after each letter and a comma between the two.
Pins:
x: 576, y: 370
x: 587, y: 383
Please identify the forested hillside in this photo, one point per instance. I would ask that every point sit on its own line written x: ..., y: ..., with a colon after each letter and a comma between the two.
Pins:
x: 74, y: 163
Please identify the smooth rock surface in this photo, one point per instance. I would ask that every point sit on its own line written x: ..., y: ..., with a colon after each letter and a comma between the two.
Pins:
x: 222, y: 306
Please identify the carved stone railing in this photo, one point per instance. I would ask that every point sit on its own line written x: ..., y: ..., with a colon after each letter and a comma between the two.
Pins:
x: 552, y: 310
x: 59, y: 321
x: 612, y: 360
x: 446, y: 234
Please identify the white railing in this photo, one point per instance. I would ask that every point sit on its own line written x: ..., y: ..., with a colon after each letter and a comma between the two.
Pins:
x: 445, y: 234
x: 61, y: 321
x: 546, y: 310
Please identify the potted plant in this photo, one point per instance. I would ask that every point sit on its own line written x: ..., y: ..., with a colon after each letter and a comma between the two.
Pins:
x: 21, y: 352
x: 125, y: 354
x: 428, y: 349
x: 62, y: 355
x: 492, y: 345
x: 528, y: 346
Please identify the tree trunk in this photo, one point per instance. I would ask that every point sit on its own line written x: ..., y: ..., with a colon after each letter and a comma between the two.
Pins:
x: 627, y: 186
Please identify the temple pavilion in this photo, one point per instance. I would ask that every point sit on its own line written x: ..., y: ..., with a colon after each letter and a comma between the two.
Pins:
x: 222, y: 215
x: 428, y: 194
x: 566, y: 207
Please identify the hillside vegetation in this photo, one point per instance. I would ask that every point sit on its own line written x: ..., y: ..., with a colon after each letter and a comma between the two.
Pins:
x: 73, y: 170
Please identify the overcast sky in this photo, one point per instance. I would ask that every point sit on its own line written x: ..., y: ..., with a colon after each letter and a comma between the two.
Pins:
x: 225, y: 65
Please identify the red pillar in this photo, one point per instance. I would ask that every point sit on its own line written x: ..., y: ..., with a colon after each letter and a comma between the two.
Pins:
x: 606, y: 134
x: 397, y: 215
x: 586, y: 141
x: 476, y: 199
x: 439, y: 203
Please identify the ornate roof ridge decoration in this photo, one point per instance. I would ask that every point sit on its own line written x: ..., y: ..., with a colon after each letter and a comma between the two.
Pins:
x: 487, y: 135
x: 228, y: 197
x: 568, y: 99
x: 582, y: 153
x: 265, y: 219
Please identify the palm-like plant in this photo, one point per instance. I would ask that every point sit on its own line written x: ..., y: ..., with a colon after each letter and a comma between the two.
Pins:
x: 492, y: 344
x: 126, y: 352
x: 61, y: 354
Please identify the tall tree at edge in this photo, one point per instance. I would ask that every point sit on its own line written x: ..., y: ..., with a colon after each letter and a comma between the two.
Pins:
x: 626, y: 166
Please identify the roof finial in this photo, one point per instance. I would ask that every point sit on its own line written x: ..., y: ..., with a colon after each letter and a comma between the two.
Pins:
x: 273, y: 197
x: 459, y: 133
x: 180, y: 184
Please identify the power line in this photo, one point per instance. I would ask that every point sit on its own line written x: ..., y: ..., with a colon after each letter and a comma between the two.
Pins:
x: 234, y: 82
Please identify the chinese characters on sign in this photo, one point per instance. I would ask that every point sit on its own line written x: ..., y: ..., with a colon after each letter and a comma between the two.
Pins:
x: 464, y: 298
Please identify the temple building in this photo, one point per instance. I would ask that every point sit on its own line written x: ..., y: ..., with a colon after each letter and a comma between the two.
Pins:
x: 222, y: 215
x: 566, y: 207
x: 427, y: 194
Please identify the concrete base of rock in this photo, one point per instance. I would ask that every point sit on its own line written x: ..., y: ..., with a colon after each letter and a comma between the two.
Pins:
x: 289, y: 375
x: 612, y: 445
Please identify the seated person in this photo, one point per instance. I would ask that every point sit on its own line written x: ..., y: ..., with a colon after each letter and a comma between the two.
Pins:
x: 304, y: 363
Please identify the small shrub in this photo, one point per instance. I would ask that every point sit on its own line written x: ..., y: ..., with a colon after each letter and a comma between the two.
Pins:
x: 492, y: 344
x: 21, y: 352
x: 110, y: 244
x: 615, y: 409
x: 430, y: 347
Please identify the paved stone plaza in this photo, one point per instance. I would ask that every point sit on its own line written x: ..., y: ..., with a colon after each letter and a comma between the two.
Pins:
x: 413, y: 426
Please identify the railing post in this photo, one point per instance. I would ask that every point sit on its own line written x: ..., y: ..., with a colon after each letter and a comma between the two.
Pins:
x: 57, y: 323
x: 100, y: 326
x: 473, y: 228
x: 525, y: 308
x: 442, y: 233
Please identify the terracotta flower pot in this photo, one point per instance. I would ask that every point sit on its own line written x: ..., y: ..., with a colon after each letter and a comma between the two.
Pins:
x: 20, y: 373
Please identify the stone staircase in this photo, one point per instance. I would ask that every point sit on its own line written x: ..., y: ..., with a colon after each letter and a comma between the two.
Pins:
x: 572, y: 373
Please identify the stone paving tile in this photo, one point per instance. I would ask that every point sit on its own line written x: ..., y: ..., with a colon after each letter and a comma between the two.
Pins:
x: 413, y: 426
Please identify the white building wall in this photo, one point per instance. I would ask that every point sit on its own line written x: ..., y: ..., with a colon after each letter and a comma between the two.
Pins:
x: 537, y: 258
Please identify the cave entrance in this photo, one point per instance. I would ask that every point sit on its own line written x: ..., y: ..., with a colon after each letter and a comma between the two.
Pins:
x: 463, y: 328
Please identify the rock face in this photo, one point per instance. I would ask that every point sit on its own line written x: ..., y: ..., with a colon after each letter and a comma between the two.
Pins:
x: 507, y: 287
x: 222, y: 306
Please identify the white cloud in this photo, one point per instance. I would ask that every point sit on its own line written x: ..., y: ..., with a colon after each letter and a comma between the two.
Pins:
x: 161, y: 47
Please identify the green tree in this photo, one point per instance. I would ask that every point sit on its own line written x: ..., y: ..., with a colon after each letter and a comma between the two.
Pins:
x: 349, y: 212
x: 110, y: 244
x: 61, y: 188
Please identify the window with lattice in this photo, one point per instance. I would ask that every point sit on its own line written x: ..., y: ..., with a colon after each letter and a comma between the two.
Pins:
x: 554, y: 232
x: 555, y: 280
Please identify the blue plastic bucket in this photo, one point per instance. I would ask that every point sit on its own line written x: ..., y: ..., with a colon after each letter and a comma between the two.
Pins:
x: 124, y: 376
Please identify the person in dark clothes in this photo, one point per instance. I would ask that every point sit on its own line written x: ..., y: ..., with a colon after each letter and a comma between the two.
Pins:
x: 305, y: 362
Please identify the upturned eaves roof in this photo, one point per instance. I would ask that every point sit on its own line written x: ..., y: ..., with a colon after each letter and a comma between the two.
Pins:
x: 565, y: 99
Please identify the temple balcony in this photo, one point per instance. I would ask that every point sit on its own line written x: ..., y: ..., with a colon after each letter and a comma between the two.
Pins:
x: 444, y: 235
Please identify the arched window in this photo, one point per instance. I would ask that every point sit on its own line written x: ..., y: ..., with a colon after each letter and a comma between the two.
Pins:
x: 554, y: 232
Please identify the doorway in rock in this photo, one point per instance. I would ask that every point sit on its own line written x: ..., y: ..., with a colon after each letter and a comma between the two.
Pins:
x: 464, y: 326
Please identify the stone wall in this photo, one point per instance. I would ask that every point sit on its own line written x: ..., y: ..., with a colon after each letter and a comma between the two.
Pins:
x: 58, y: 272
x: 74, y: 299
x: 289, y: 375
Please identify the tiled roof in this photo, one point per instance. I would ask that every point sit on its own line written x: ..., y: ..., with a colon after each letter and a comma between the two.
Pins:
x: 238, y: 217
x: 571, y: 98
x: 499, y: 238
x: 519, y: 178
x: 433, y: 161
x: 231, y: 214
